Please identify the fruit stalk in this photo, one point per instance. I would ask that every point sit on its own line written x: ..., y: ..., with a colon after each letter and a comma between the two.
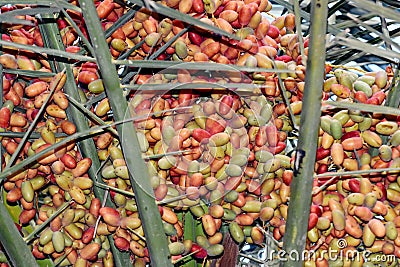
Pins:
x: 16, y: 248
x: 301, y: 187
x: 149, y: 213
x: 87, y: 146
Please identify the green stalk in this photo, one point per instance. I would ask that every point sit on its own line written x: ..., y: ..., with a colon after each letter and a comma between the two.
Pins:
x: 168, y: 44
x: 29, y: 73
x: 362, y: 107
x: 210, y: 66
x: 296, y: 8
x: 189, y: 233
x: 59, y: 4
x: 393, y: 99
x: 33, y: 136
x: 301, y: 188
x: 1, y: 87
x: 286, y: 100
x: 86, y: 146
x: 78, y: 31
x: 44, y: 224
x: 14, y: 246
x: 121, y: 21
x: 139, y: 177
x: 42, y: 50
x: 90, y: 114
x: 356, y: 173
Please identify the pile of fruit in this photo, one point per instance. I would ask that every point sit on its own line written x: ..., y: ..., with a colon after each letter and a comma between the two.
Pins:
x: 219, y: 144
